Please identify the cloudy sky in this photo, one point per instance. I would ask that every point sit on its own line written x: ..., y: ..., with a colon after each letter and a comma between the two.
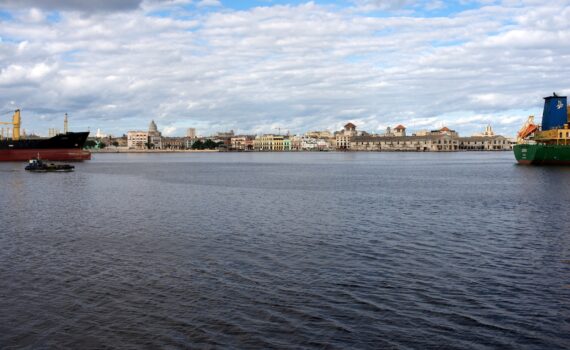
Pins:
x: 256, y: 66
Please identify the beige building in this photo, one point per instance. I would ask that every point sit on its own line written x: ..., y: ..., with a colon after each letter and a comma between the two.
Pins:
x: 137, y: 139
x: 344, y: 136
x: 485, y: 143
x: 440, y: 140
x: 242, y: 143
x: 429, y: 143
x: 404, y: 143
x: 270, y: 142
x: 173, y: 143
x: 400, y: 131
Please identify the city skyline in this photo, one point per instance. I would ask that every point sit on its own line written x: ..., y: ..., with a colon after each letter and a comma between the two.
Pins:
x: 257, y: 66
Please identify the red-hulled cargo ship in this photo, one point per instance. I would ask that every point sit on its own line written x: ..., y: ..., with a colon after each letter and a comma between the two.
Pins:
x: 62, y: 147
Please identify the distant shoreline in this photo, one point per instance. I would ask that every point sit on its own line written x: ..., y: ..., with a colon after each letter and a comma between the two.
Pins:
x: 105, y: 150
x: 292, y: 151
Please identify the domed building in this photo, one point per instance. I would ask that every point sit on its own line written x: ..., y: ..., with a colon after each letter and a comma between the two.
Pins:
x: 152, y: 127
x: 154, y: 136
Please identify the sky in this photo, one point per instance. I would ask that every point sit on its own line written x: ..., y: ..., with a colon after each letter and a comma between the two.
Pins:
x: 268, y: 65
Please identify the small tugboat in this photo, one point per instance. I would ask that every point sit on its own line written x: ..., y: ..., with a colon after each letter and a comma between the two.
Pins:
x: 38, y: 166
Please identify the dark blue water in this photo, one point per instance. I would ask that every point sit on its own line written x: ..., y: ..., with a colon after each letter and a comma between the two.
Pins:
x: 300, y: 250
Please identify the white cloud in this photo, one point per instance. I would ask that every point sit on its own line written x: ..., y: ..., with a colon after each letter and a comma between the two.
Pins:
x: 299, y: 67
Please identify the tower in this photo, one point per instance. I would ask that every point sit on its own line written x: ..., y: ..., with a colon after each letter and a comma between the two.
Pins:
x: 65, y: 130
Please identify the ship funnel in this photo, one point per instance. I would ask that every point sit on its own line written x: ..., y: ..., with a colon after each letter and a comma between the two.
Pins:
x: 554, y: 115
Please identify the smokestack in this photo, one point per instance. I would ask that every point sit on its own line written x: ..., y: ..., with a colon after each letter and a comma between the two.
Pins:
x: 65, y: 124
x: 555, y: 113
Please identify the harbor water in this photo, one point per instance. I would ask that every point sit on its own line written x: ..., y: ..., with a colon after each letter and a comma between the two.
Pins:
x: 286, y: 250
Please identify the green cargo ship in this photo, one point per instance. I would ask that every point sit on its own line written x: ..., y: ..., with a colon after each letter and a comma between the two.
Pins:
x: 541, y: 154
x: 548, y: 143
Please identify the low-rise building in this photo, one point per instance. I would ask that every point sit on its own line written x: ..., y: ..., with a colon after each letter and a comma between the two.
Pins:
x: 404, y: 143
x: 242, y: 143
x: 344, y: 136
x: 271, y: 142
x: 174, y: 143
x: 429, y: 143
x: 137, y: 139
x: 485, y: 143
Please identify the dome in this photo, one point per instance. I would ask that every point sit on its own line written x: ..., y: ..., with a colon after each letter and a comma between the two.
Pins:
x: 152, y: 127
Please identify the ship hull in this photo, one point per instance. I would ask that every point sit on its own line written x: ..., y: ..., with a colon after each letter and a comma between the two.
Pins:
x: 18, y: 155
x: 62, y: 147
x: 539, y: 154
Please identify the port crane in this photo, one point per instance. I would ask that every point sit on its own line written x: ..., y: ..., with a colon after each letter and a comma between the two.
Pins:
x: 16, y: 123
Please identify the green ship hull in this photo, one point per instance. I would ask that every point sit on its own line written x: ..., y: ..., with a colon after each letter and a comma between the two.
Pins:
x: 540, y: 154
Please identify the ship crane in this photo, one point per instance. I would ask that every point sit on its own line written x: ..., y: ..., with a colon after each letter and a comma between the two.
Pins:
x: 16, y: 123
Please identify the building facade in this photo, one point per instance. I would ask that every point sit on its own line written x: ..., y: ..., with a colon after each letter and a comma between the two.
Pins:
x: 242, y: 143
x: 137, y: 139
x: 270, y: 142
x: 343, y: 137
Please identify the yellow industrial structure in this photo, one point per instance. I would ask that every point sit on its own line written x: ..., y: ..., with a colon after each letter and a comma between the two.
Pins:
x: 16, y: 124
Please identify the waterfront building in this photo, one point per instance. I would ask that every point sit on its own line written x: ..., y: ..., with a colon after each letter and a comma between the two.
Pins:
x: 191, y: 133
x: 137, y: 139
x: 309, y: 144
x: 173, y: 143
x: 296, y: 142
x: 429, y: 143
x: 315, y: 144
x: 400, y: 131
x: 242, y: 143
x: 270, y: 142
x: 154, y: 136
x: 344, y: 136
x: 286, y: 144
x: 485, y: 143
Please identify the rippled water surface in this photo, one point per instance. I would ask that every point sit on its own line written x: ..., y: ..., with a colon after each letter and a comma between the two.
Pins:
x: 299, y: 250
